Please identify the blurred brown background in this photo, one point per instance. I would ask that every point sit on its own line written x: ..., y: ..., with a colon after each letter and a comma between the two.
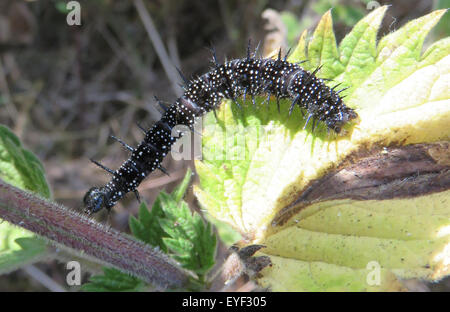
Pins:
x: 65, y: 89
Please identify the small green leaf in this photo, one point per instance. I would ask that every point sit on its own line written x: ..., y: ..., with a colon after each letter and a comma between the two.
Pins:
x: 358, y: 49
x: 191, y: 240
x: 180, y: 190
x: 21, y: 168
x: 322, y: 49
x: 113, y: 280
x: 443, y: 28
x: 146, y: 227
x: 18, y: 247
x: 299, y: 53
x: 172, y: 227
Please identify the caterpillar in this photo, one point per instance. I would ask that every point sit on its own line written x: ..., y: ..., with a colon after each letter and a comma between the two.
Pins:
x: 239, y: 77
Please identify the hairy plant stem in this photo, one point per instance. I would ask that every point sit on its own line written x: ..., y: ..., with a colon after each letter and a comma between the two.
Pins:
x: 88, y: 237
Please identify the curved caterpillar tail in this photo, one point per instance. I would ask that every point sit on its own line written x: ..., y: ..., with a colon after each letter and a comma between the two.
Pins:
x: 240, y: 77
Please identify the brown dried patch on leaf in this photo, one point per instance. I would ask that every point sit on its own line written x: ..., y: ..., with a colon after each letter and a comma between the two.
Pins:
x: 387, y: 173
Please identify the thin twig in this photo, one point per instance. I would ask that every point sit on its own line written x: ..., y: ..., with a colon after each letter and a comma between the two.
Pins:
x: 43, y: 279
x: 173, y: 51
x: 4, y: 88
x: 159, y: 46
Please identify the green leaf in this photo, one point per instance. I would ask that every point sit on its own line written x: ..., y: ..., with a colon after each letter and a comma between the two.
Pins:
x: 299, y: 53
x: 358, y: 49
x: 21, y: 168
x: 188, y: 238
x: 18, y: 247
x: 443, y: 28
x: 146, y: 227
x: 180, y: 190
x: 292, y: 275
x: 402, y: 97
x: 172, y: 227
x: 113, y: 280
x: 322, y: 49
x: 398, y: 60
x: 191, y: 240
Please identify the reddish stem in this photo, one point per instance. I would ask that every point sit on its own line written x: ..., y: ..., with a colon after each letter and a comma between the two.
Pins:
x: 79, y: 232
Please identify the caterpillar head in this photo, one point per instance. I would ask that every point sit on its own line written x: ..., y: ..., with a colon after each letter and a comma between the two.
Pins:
x: 338, y: 120
x: 96, y: 199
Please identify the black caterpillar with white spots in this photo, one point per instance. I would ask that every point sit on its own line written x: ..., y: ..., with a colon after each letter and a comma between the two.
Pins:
x: 240, y: 77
